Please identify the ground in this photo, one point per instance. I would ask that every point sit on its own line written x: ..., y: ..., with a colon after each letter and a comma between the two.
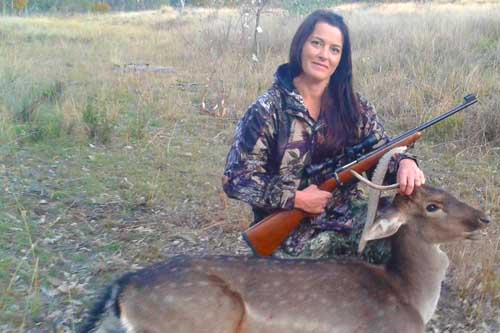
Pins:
x: 68, y: 246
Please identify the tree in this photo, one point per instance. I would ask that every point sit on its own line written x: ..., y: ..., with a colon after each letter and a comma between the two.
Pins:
x: 249, y: 8
x: 259, y: 4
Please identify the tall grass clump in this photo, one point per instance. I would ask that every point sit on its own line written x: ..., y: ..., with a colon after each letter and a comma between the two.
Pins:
x: 98, y: 126
x: 31, y: 109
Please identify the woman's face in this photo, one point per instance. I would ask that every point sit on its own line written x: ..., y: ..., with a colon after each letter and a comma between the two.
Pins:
x: 322, y: 52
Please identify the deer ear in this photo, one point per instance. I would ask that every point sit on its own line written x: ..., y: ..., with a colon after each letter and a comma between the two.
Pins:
x: 385, y: 225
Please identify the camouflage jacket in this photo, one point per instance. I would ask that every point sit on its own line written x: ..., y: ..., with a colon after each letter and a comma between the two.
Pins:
x: 273, y: 144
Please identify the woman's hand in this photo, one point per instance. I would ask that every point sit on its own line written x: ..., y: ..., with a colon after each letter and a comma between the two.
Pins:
x: 312, y: 200
x: 409, y: 176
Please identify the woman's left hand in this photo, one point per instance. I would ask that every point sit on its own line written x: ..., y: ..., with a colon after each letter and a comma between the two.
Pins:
x: 409, y: 176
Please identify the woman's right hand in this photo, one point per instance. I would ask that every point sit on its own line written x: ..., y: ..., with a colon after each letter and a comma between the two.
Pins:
x: 312, y: 200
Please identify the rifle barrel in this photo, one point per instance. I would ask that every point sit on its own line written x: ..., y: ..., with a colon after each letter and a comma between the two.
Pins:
x: 468, y: 101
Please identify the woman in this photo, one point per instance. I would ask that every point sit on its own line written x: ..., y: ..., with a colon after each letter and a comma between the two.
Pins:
x: 309, y: 114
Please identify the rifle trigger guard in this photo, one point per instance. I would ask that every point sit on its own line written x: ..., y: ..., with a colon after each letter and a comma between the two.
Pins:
x: 337, y: 179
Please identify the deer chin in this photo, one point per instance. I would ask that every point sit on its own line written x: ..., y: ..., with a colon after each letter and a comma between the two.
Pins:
x: 475, y: 235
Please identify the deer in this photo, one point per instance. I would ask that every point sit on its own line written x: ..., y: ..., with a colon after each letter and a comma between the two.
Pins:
x: 250, y: 294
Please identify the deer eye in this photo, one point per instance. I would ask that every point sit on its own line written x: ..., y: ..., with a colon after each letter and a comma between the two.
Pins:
x: 432, y: 208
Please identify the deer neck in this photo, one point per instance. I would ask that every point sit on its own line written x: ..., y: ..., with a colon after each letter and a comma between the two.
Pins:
x: 419, y: 267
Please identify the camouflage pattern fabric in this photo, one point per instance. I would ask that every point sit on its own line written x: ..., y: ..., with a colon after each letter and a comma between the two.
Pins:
x: 329, y: 244
x: 274, y: 141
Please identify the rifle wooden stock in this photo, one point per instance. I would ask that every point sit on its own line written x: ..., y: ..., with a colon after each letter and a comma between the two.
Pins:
x: 267, y: 235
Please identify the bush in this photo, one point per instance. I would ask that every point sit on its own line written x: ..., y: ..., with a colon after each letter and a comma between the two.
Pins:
x: 19, y: 4
x: 100, y: 7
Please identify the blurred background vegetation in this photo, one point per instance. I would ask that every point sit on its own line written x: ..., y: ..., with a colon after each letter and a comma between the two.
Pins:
x: 79, y: 6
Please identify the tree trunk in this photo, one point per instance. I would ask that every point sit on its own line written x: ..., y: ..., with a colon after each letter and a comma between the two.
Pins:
x: 256, y: 48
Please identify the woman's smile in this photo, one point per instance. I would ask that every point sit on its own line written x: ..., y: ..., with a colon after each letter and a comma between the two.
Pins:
x: 322, y: 66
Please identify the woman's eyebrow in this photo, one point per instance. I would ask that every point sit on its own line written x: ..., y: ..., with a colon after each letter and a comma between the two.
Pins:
x: 323, y: 41
x: 317, y: 37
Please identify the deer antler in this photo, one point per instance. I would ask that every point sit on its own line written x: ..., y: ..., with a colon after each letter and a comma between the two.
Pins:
x: 373, y: 185
x: 374, y: 191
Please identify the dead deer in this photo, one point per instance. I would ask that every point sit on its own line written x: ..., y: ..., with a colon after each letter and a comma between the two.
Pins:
x: 219, y: 294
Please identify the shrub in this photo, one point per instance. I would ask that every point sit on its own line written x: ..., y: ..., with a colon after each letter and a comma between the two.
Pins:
x: 19, y: 4
x: 100, y: 7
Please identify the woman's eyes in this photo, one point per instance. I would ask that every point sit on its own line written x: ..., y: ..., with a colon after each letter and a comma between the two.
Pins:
x: 318, y: 43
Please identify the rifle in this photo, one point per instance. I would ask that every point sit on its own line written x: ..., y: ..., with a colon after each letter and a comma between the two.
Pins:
x: 267, y: 235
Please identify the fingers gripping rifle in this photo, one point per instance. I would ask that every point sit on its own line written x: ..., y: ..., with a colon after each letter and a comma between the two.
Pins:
x: 267, y: 235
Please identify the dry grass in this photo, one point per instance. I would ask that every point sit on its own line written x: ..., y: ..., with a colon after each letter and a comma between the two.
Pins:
x: 145, y: 139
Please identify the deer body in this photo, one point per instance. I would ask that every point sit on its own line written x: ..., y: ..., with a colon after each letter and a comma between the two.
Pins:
x: 248, y: 294
x: 225, y: 294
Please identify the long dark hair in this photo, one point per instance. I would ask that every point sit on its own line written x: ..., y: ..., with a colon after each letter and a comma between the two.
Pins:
x: 340, y: 107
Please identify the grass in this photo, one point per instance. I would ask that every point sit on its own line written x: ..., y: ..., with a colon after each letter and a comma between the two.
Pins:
x: 93, y: 156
